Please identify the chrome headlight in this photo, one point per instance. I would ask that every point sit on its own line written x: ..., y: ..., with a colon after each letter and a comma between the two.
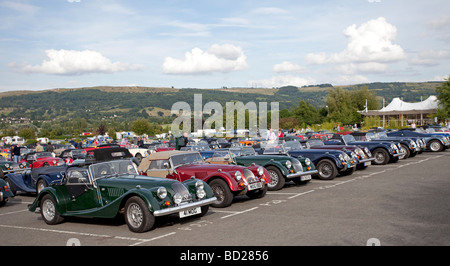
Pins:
x: 307, y: 161
x: 199, y: 185
x: 177, y: 198
x: 288, y: 164
x: 200, y: 193
x: 341, y: 158
x: 54, y: 162
x: 238, y: 175
x: 260, y: 171
x: 161, y: 192
x: 7, y: 165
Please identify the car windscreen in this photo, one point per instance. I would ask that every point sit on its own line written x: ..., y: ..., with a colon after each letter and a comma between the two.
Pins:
x: 292, y: 145
x: 112, y: 168
x: 188, y: 158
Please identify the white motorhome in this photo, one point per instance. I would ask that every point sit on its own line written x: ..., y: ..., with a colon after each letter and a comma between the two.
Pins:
x: 18, y: 140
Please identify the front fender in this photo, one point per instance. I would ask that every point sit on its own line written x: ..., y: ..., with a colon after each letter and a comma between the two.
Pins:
x: 59, y: 199
x: 278, y: 165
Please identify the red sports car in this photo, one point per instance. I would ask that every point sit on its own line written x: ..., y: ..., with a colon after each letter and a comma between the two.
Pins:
x: 42, y: 159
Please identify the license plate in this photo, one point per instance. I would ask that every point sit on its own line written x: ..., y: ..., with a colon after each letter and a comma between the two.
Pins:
x: 306, y: 177
x: 254, y: 186
x: 190, y: 212
x: 367, y: 163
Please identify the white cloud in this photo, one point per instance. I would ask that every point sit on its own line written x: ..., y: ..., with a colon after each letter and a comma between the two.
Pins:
x: 74, y: 1
x: 353, y: 68
x: 71, y: 62
x: 280, y: 81
x: 20, y: 7
x: 316, y: 58
x: 219, y: 58
x: 288, y: 67
x: 269, y: 11
x: 349, y: 80
x: 439, y: 22
x: 430, y: 57
x: 370, y: 42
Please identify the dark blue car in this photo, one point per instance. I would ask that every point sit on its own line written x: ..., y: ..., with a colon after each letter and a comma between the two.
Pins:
x: 384, y: 152
x: 328, y: 162
x: 433, y: 142
x: 34, y: 180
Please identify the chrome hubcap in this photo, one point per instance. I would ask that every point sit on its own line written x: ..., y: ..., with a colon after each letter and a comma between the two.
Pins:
x: 219, y: 193
x: 325, y: 170
x: 274, y: 177
x: 48, y: 210
x: 434, y: 146
x: 135, y: 215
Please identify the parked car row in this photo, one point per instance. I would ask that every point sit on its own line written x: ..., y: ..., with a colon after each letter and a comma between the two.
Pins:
x: 109, y: 181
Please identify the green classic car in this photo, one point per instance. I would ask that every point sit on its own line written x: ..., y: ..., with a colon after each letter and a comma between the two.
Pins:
x: 105, y: 189
x: 281, y: 168
x: 5, y: 192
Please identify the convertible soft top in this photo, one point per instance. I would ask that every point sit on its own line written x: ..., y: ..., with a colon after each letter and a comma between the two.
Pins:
x: 108, y: 154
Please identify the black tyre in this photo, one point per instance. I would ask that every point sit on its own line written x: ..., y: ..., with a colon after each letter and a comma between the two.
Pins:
x: 49, y: 213
x: 436, y: 146
x: 381, y: 156
x: 278, y: 179
x: 222, y: 192
x: 348, y: 171
x: 138, y: 216
x: 327, y: 169
x: 407, y: 152
x: 256, y: 194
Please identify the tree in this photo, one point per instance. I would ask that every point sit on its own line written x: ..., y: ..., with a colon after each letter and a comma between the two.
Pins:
x: 140, y: 126
x: 444, y: 99
x: 344, y: 104
x: 27, y: 133
x: 306, y: 114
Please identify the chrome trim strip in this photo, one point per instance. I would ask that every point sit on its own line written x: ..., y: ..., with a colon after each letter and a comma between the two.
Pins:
x: 312, y: 172
x: 184, y: 207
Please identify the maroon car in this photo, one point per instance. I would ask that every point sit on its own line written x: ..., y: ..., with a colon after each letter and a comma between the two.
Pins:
x: 363, y: 154
x: 226, y: 181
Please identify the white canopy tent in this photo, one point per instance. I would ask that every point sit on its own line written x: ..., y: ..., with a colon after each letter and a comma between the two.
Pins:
x: 400, y: 108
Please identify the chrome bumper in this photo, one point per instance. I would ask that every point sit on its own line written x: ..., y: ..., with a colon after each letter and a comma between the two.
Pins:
x: 398, y: 154
x: 302, y: 174
x: 184, y: 207
x: 367, y: 160
x: 1, y: 196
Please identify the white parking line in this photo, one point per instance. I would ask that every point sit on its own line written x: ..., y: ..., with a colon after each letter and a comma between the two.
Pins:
x: 300, y: 194
x: 236, y: 213
x: 151, y: 239
x: 88, y: 234
x: 7, y: 213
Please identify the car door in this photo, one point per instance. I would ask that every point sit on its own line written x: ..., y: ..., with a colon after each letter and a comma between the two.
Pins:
x: 80, y: 190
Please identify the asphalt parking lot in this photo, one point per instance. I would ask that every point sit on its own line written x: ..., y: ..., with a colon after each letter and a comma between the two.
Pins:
x: 404, y: 203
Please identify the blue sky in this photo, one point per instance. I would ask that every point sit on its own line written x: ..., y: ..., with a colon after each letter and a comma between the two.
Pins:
x: 210, y: 44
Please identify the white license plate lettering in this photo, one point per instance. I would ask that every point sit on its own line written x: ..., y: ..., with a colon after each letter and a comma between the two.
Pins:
x: 190, y: 212
x: 306, y: 177
x: 254, y: 186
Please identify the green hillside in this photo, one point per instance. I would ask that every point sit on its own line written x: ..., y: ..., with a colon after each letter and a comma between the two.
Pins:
x: 130, y: 103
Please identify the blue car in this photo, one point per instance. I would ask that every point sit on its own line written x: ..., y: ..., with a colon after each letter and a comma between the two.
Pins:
x: 433, y: 142
x: 384, y: 152
x: 33, y: 181
x: 329, y: 163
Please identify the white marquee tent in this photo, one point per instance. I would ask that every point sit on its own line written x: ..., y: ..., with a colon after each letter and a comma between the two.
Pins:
x: 400, y: 108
